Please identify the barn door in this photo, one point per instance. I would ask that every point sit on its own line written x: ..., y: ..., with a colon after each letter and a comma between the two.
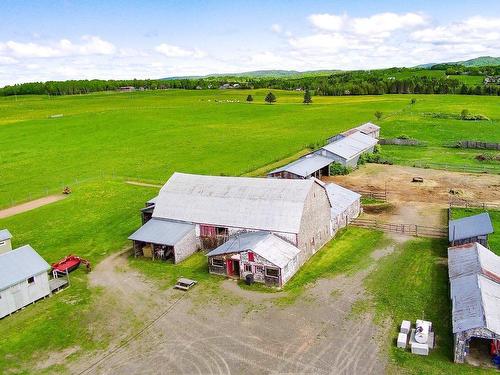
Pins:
x: 18, y: 299
x: 229, y: 267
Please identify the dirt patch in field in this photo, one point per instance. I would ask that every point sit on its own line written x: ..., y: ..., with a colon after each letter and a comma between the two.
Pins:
x: 317, y: 334
x: 145, y: 184
x: 31, y: 205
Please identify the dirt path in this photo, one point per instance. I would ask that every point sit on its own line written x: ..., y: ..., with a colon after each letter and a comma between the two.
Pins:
x: 31, y: 205
x: 215, y: 334
x: 145, y: 184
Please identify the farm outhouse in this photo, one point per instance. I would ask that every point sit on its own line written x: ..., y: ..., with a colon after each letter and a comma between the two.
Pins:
x: 5, y: 241
x: 470, y: 229
x: 312, y: 165
x: 346, y: 205
x: 164, y: 239
x: 346, y: 151
x: 262, y: 256
x: 474, y: 273
x: 218, y: 207
x: 23, y: 279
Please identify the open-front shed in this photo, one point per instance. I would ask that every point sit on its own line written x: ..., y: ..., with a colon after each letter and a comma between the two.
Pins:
x: 470, y: 229
x: 263, y: 256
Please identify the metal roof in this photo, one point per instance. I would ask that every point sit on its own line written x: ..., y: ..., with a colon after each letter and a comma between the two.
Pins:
x: 20, y: 264
x: 340, y: 198
x: 270, y: 247
x: 470, y: 226
x: 475, y: 303
x: 351, y: 146
x: 368, y: 128
x: 471, y: 259
x: 162, y: 232
x: 243, y: 202
x: 5, y: 235
x: 152, y: 201
x: 306, y: 165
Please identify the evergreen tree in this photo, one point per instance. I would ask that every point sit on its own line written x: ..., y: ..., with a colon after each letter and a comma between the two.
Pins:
x: 307, y: 97
x: 270, y: 98
x: 249, y: 98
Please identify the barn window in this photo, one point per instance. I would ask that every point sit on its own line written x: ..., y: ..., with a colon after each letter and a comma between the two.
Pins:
x: 259, y: 269
x: 31, y: 280
x: 272, y: 272
x: 217, y: 262
x: 248, y: 267
x: 221, y: 231
x: 250, y: 256
x: 2, y: 243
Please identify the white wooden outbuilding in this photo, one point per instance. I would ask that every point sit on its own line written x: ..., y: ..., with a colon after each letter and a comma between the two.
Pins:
x: 5, y: 241
x: 23, y: 279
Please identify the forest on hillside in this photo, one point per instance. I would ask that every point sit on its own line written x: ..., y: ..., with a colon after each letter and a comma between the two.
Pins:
x: 439, y: 79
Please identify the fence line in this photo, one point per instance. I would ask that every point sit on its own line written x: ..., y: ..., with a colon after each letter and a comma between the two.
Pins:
x: 478, y: 145
x: 406, y: 229
x: 380, y: 195
x: 457, y: 167
x: 462, y: 203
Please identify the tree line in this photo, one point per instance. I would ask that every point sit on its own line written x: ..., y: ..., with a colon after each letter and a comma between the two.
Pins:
x: 342, y: 83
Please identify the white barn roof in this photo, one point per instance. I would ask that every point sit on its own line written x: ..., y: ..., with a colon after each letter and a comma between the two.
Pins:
x: 243, y: 202
x: 475, y: 303
x: 472, y: 259
x: 468, y: 227
x: 351, y: 146
x: 368, y: 128
x: 5, y: 235
x: 20, y: 264
x: 162, y: 232
x: 270, y: 247
x: 306, y: 165
x: 340, y: 198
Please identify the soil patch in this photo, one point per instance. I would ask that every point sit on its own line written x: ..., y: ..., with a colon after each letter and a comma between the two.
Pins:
x: 31, y: 205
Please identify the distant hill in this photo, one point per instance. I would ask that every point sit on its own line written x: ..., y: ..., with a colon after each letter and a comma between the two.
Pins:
x: 478, y: 61
x: 262, y: 74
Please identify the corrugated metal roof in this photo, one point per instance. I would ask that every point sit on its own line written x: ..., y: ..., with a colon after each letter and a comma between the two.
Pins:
x: 470, y: 226
x: 270, y: 247
x: 340, y: 198
x: 20, y: 264
x: 162, y: 232
x: 368, y: 128
x: 5, y: 235
x: 306, y: 165
x: 467, y: 306
x: 473, y: 259
x: 351, y: 146
x: 243, y: 202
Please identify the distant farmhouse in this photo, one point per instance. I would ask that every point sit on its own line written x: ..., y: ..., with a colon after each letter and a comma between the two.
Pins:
x: 474, y: 273
x: 470, y: 229
x: 492, y: 80
x: 264, y: 227
x: 344, y: 148
x: 126, y: 89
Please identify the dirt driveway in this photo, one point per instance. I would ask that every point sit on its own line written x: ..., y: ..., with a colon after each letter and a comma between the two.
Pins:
x: 31, y: 205
x: 420, y: 203
x: 224, y: 331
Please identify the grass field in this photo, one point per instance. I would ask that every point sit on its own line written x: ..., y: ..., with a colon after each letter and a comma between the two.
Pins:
x: 103, y: 138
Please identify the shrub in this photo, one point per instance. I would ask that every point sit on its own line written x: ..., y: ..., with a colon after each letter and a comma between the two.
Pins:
x: 337, y: 169
x: 249, y: 98
x: 378, y: 115
x: 403, y: 136
x: 270, y: 98
x: 375, y: 158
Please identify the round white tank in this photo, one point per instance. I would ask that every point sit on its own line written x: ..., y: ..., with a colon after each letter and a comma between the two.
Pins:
x: 422, y: 332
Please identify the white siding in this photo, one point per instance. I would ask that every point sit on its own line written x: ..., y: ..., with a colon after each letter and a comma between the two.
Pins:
x: 188, y: 245
x: 5, y: 246
x: 22, y: 294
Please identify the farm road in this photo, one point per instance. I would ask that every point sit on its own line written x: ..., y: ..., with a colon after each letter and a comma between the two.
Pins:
x: 226, y: 332
x: 31, y: 205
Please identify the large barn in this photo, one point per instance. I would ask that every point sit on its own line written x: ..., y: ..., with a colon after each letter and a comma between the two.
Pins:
x: 209, y: 209
x: 347, y: 150
x: 346, y: 205
x: 474, y: 273
x: 23, y: 279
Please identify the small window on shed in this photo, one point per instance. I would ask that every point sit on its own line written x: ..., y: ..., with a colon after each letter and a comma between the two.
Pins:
x: 217, y: 262
x: 2, y: 243
x: 250, y: 256
x: 272, y: 272
x: 31, y: 280
x: 248, y: 267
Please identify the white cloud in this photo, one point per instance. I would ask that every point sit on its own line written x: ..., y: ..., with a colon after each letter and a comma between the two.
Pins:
x: 328, y: 22
x: 276, y: 28
x: 90, y: 45
x: 170, y: 50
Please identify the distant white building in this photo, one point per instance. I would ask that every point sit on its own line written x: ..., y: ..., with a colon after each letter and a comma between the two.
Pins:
x: 5, y: 241
x: 23, y: 279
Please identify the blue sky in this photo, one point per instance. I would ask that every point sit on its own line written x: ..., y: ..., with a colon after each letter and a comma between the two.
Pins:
x: 51, y: 40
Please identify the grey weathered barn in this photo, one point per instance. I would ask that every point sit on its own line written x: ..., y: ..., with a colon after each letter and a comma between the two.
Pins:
x: 23, y: 279
x: 474, y: 273
x: 470, y: 229
x: 218, y: 207
x: 5, y: 241
x: 346, y: 205
x: 268, y: 258
x: 347, y: 150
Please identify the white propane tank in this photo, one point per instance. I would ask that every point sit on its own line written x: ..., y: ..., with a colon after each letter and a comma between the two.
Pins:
x: 422, y: 331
